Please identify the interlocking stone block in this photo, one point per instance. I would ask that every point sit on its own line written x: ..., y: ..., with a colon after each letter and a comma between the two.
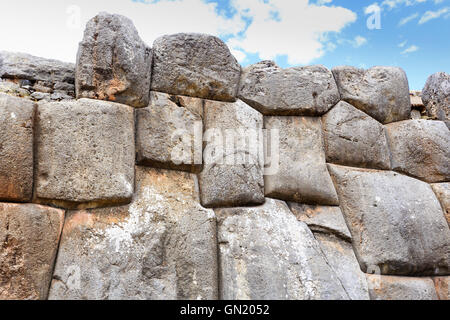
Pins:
x: 442, y: 287
x: 401, y: 288
x: 85, y: 154
x: 162, y: 246
x: 16, y: 148
x: 442, y: 191
x: 436, y: 96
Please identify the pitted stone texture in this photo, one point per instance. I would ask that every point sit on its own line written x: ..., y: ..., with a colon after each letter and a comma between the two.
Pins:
x: 322, y: 219
x: 397, y: 223
x: 195, y: 65
x: 355, y: 139
x: 342, y: 260
x: 421, y: 148
x: 113, y: 63
x: 300, y: 91
x: 381, y: 92
x: 85, y: 154
x: 265, y: 253
x: 302, y: 176
x: 436, y: 96
x: 400, y: 288
x: 442, y: 287
x: 169, y: 133
x: 442, y: 191
x: 16, y: 148
x: 161, y: 247
x: 29, y: 237
x: 233, y: 156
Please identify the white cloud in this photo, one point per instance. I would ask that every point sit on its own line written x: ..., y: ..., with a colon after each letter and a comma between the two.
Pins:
x: 408, y: 19
x: 410, y: 49
x: 429, y: 15
x: 402, y: 44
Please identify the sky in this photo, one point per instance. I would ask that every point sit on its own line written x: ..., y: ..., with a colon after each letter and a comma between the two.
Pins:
x: 411, y: 34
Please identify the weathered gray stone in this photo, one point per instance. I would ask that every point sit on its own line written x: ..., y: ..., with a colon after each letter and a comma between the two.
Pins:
x: 300, y: 91
x: 396, y: 222
x: 381, y: 92
x: 233, y: 156
x: 302, y: 174
x: 162, y: 246
x: 353, y: 138
x: 420, y: 148
x: 265, y: 253
x: 436, y: 96
x: 196, y: 65
x: 322, y: 219
x: 342, y: 260
x: 442, y: 285
x: 85, y: 154
x: 29, y: 237
x: 113, y: 63
x: 169, y: 133
x: 400, y: 288
x: 442, y: 191
x: 16, y: 148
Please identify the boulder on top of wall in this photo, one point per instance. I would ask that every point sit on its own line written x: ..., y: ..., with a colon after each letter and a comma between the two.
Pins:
x: 265, y: 253
x: 442, y: 285
x: 436, y: 96
x: 162, y: 246
x: 381, y: 92
x: 302, y: 175
x: 196, y: 65
x: 355, y: 139
x: 233, y: 156
x: 16, y: 148
x: 169, y: 132
x: 396, y: 222
x: 300, y: 91
x: 420, y: 148
x: 106, y: 69
x: 400, y: 288
x: 442, y: 191
x: 29, y: 237
x: 85, y: 153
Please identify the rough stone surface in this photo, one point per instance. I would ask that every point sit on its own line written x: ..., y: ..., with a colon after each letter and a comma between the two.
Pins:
x: 302, y: 176
x: 265, y: 253
x: 113, y: 63
x: 442, y: 287
x: 16, y: 148
x: 396, y: 222
x: 421, y: 148
x: 381, y: 92
x: 442, y: 191
x: 29, y: 237
x: 436, y: 96
x: 169, y: 132
x: 355, y: 139
x: 401, y: 288
x: 342, y: 260
x: 233, y: 156
x: 322, y: 219
x: 297, y: 91
x: 195, y: 65
x: 162, y: 246
x: 85, y: 153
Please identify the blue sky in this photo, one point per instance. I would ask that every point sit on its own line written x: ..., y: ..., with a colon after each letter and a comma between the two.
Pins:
x: 414, y: 34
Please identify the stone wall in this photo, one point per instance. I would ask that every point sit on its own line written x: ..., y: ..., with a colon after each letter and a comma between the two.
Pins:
x: 172, y: 173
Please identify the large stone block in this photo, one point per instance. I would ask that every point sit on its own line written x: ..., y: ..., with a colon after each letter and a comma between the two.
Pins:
x: 396, y: 222
x: 302, y: 174
x: 113, y: 63
x: 442, y: 191
x: 381, y: 92
x: 353, y: 138
x: 85, y: 154
x: 169, y: 133
x: 300, y: 91
x: 195, y: 65
x: 436, y: 96
x: 265, y: 253
x: 29, y: 237
x: 420, y: 148
x: 401, y: 288
x: 160, y: 247
x: 442, y: 285
x: 233, y: 155
x: 16, y: 148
